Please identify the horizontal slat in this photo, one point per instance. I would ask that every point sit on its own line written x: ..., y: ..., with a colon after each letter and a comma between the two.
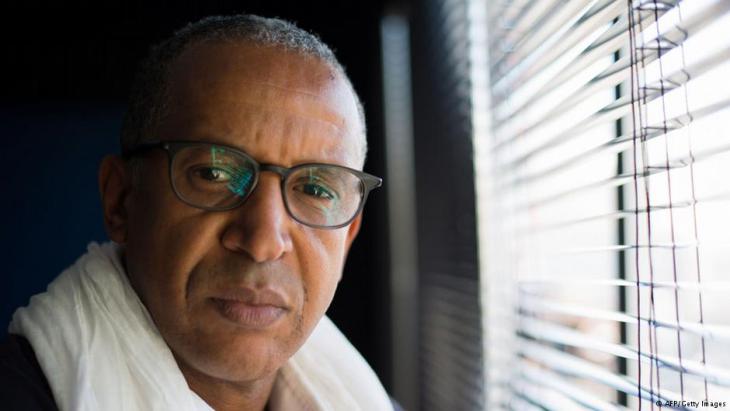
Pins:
x: 538, y: 305
x: 607, y: 43
x: 643, y: 246
x: 609, y: 78
x: 723, y: 197
x: 545, y: 331
x: 548, y: 400
x: 547, y: 29
x: 523, y: 402
x: 611, y: 112
x: 552, y: 380
x: 612, y: 39
x: 571, y: 365
x: 557, y: 30
x: 460, y: 368
x: 621, y: 179
x: 502, y: 18
x: 459, y: 328
x: 601, y: 47
x: 706, y: 286
x: 515, y: 23
x: 619, y: 144
x: 600, y: 14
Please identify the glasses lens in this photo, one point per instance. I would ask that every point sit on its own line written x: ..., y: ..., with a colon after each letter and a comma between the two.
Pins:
x: 212, y: 177
x: 323, y: 195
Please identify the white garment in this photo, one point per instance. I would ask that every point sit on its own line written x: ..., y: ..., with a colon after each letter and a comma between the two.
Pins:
x: 100, y: 350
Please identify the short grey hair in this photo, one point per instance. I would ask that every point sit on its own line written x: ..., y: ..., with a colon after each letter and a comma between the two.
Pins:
x: 149, y: 97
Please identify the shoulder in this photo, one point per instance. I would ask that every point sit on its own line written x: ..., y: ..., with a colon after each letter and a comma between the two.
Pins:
x: 333, y: 371
x: 22, y: 383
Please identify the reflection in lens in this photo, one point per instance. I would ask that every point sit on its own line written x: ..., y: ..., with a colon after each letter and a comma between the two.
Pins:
x: 323, y: 195
x: 212, y: 177
x: 329, y: 216
x: 241, y: 181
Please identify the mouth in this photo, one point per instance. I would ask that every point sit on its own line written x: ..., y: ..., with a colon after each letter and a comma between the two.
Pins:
x: 252, y: 309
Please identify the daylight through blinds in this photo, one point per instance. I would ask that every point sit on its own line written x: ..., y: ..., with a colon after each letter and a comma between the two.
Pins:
x: 603, y: 153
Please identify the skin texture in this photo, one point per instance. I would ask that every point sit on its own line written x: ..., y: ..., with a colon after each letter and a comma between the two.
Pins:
x: 281, y: 108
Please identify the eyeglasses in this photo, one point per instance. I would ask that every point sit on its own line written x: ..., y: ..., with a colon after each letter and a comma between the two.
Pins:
x: 216, y: 177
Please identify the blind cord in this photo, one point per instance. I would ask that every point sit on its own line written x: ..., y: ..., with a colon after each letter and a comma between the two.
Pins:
x: 695, y: 229
x: 642, y: 102
x: 632, y: 46
x: 669, y: 193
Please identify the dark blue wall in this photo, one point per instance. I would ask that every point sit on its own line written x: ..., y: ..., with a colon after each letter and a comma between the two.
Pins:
x: 49, y: 156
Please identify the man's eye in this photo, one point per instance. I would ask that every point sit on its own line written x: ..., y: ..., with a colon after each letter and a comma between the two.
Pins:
x: 316, y: 190
x: 213, y: 174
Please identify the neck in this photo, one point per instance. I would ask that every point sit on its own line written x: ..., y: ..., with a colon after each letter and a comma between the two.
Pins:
x: 224, y: 395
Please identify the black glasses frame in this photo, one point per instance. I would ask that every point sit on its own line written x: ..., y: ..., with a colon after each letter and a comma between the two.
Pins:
x: 368, y: 182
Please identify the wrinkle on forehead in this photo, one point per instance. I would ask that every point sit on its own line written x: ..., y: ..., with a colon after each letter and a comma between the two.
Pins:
x: 249, y: 125
x: 290, y: 89
x: 303, y: 104
x: 256, y: 96
x: 284, y: 107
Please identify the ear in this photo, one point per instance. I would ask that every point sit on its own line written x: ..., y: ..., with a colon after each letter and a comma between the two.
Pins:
x: 115, y: 183
x: 352, y: 231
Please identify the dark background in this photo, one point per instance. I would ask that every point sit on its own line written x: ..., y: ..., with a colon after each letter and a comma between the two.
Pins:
x: 68, y: 69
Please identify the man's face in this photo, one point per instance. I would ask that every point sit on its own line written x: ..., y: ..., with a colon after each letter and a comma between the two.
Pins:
x: 194, y: 268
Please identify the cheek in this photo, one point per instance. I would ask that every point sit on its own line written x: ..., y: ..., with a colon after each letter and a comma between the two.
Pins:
x: 322, y: 270
x: 166, y: 242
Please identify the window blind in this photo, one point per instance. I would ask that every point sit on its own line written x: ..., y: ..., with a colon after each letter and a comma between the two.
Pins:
x: 450, y: 357
x: 602, y: 160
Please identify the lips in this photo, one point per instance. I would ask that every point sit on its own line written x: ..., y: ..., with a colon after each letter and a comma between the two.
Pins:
x: 251, y: 308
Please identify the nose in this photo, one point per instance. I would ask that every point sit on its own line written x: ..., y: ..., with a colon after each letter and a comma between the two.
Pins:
x: 261, y: 226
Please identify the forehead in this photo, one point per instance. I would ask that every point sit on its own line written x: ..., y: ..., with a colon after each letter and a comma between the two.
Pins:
x: 246, y: 95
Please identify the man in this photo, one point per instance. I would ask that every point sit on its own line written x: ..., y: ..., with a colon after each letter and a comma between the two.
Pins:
x: 232, y: 207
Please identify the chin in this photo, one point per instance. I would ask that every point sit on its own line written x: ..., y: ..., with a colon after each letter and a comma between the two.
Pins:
x: 240, y: 359
x: 220, y: 348
x: 230, y: 353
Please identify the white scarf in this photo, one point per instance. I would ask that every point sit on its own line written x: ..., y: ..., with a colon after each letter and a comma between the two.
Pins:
x: 100, y: 350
